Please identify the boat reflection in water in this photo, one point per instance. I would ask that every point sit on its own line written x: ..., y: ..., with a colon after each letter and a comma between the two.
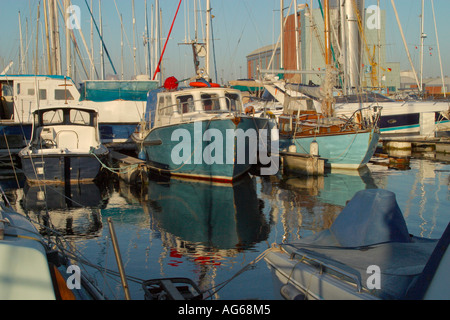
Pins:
x: 212, y: 216
x: 309, y: 204
x: 72, y: 209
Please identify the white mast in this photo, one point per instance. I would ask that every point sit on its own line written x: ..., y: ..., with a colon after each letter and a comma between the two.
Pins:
x: 147, y: 42
x: 121, y: 47
x: 343, y: 53
x: 297, y: 47
x: 68, y: 45
x: 102, y: 58
x: 134, y: 38
x: 379, y: 53
x: 92, y: 42
x: 281, y: 33
x: 57, y: 39
x: 404, y: 43
x: 47, y: 38
x: 422, y: 37
x: 208, y: 36
x: 21, y: 58
x: 36, y: 64
x: 439, y: 49
x: 157, y: 37
x: 353, y: 47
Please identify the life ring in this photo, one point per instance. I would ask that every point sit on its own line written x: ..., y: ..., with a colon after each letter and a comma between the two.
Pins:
x: 198, y: 84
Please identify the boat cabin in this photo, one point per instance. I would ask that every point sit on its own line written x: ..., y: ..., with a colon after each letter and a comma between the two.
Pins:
x: 20, y: 95
x: 167, y: 107
x: 65, y: 128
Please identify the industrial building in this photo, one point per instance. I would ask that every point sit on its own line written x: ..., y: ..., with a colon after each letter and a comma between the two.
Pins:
x: 360, y: 60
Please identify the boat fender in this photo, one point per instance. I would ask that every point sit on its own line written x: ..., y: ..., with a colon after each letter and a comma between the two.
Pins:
x: 250, y: 110
x: 292, y: 148
x: 289, y: 292
x: 314, y: 148
x: 270, y: 115
x: 142, y: 155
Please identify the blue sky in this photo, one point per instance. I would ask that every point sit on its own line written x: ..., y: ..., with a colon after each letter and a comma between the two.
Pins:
x: 240, y: 26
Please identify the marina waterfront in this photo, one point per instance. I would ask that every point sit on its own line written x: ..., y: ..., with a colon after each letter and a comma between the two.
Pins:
x: 216, y: 234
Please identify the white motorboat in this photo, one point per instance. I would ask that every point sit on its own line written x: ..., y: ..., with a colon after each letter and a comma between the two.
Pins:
x: 65, y: 146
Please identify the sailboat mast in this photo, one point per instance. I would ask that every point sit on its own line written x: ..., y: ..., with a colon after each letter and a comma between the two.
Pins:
x: 328, y: 60
x: 404, y: 43
x: 422, y: 37
x: 281, y: 34
x: 134, y: 38
x: 439, y: 50
x: 36, y: 65
x: 21, y: 58
x: 208, y: 36
x: 68, y: 46
x: 147, y: 41
x: 157, y: 50
x: 297, y: 40
x: 56, y: 42
x: 92, y: 42
x: 47, y: 37
x: 102, y: 59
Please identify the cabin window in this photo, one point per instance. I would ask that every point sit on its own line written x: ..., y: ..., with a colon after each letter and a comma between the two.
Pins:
x: 80, y: 117
x: 168, y: 110
x: 53, y: 117
x: 161, y: 105
x: 42, y: 94
x: 7, y: 90
x: 210, y: 102
x: 233, y: 102
x: 185, y: 104
x: 61, y: 94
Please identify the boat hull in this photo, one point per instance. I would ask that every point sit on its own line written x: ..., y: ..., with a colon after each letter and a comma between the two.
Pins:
x: 344, y: 151
x: 61, y: 168
x: 204, y: 147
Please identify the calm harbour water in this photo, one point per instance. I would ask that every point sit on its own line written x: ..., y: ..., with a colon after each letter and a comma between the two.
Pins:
x: 209, y: 233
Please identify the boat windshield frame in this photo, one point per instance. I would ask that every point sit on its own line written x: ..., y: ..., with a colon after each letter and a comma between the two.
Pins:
x: 364, y: 97
x: 67, y: 117
x: 190, y: 101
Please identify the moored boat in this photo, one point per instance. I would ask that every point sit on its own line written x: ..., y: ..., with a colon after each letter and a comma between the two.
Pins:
x: 199, y: 132
x: 366, y: 254
x: 65, y: 146
x: 347, y: 143
x: 33, y: 268
x: 121, y: 105
x: 342, y: 143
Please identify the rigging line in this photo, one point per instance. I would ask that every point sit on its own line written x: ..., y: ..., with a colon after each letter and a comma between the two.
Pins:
x: 253, y: 22
x: 214, y: 47
x: 221, y: 285
x: 167, y: 40
x: 11, y: 159
x: 101, y: 38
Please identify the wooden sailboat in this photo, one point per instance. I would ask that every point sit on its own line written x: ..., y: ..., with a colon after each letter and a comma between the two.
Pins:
x: 342, y: 142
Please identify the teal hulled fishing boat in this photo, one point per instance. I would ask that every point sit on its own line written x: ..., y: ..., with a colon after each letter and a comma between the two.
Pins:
x: 199, y: 132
